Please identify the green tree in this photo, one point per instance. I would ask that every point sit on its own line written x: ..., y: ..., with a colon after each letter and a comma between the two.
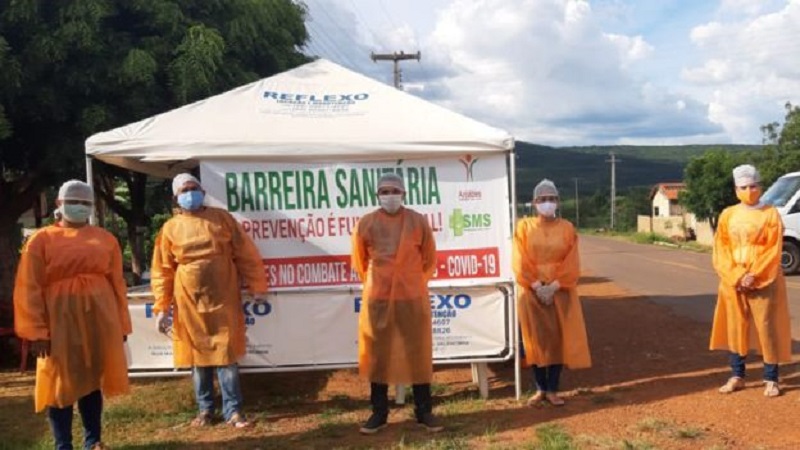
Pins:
x: 781, y: 153
x: 709, y: 184
x: 71, y: 68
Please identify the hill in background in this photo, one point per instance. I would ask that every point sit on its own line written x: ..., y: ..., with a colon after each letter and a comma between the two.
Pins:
x: 639, y: 166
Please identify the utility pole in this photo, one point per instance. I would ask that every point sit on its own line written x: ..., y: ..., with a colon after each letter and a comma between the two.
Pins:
x: 396, y: 58
x: 613, y: 162
x: 577, y: 206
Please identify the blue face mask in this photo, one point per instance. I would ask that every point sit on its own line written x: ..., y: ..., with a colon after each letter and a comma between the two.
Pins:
x: 191, y: 200
x: 76, y: 213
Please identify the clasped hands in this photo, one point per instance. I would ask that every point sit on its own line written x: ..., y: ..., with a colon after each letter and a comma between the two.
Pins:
x: 545, y: 292
x: 746, y: 283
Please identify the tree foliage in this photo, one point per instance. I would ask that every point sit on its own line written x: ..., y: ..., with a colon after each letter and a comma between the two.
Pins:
x: 69, y: 69
x: 781, y: 153
x: 709, y: 184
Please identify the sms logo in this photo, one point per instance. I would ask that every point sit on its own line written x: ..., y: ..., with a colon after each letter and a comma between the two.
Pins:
x: 460, y: 222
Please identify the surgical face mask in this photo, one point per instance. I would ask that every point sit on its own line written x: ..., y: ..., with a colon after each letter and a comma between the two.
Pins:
x: 391, y: 202
x: 191, y: 200
x: 76, y: 213
x: 749, y: 196
x: 546, y: 209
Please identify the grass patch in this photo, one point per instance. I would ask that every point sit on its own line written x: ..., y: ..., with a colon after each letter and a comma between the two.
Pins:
x: 688, y: 433
x: 636, y: 445
x: 462, y: 406
x: 651, y: 425
x: 438, y: 389
x: 445, y: 443
x: 553, y: 437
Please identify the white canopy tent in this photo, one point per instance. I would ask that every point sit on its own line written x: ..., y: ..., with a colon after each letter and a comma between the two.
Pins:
x: 317, y: 112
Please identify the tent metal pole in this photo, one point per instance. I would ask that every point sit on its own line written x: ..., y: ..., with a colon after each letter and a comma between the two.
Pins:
x: 90, y: 182
x: 514, y: 322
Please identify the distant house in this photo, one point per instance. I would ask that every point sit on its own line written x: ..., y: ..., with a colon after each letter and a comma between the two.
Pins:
x: 664, y: 200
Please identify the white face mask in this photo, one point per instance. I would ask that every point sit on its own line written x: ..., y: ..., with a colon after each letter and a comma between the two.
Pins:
x: 546, y: 209
x: 391, y: 202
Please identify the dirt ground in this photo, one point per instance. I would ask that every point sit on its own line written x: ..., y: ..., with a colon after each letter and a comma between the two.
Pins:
x: 652, y: 385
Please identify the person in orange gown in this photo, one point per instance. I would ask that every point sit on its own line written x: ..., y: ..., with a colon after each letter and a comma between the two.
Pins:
x: 70, y: 301
x: 200, y: 257
x: 394, y: 254
x: 752, y: 312
x: 547, y: 269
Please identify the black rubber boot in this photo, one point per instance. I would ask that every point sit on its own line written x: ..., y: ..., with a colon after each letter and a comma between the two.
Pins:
x: 379, y: 397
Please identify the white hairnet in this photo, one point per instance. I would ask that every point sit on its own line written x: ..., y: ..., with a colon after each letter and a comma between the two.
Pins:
x: 391, y: 179
x: 545, y: 188
x: 76, y: 190
x: 745, y: 175
x: 181, y: 179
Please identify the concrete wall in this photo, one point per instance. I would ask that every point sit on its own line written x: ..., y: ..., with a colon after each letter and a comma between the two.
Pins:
x: 677, y: 227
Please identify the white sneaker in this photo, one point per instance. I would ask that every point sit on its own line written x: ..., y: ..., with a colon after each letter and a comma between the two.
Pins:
x: 734, y: 384
x: 771, y: 389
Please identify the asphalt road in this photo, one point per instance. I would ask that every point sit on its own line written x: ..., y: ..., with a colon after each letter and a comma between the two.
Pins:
x: 683, y: 280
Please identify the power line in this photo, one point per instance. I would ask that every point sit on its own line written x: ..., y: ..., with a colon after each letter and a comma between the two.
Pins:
x: 342, y: 31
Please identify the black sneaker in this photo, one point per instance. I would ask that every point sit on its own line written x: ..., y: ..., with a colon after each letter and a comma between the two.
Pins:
x: 430, y: 422
x: 375, y: 423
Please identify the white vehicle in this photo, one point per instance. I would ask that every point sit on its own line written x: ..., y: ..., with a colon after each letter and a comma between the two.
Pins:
x: 784, y: 195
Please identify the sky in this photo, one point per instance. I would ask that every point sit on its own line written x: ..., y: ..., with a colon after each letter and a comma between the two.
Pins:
x: 582, y: 72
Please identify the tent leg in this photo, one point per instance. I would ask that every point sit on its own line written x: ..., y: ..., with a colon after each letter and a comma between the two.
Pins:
x: 400, y: 394
x: 90, y: 182
x: 480, y: 376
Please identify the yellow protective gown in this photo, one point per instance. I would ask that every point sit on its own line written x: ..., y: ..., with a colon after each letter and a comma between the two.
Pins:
x: 198, y: 261
x: 548, y: 251
x: 750, y: 240
x: 395, y: 256
x: 70, y: 290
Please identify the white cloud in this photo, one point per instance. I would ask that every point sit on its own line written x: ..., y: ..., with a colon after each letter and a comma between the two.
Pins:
x: 546, y: 70
x: 583, y: 72
x: 750, y: 69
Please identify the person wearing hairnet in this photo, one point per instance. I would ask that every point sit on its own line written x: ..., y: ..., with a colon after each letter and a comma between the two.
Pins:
x: 70, y: 302
x: 752, y: 310
x: 546, y: 267
x: 394, y: 254
x: 199, y: 258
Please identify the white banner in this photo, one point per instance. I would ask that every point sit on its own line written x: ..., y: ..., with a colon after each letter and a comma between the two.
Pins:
x: 302, y: 216
x: 313, y: 329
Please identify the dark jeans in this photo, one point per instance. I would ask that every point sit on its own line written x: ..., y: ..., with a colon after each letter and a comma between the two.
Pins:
x: 379, y: 397
x: 91, y: 409
x: 547, y: 377
x: 737, y: 367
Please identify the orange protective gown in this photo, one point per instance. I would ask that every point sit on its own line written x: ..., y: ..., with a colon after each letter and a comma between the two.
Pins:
x: 198, y: 261
x: 750, y: 240
x: 395, y: 256
x: 556, y: 334
x: 70, y: 291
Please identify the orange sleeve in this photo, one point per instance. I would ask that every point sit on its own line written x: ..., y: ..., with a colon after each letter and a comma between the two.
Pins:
x: 359, y: 258
x: 768, y: 262
x: 428, y: 250
x: 729, y: 273
x: 247, y: 258
x: 120, y: 288
x: 521, y: 260
x: 162, y: 273
x: 569, y: 272
x: 30, y: 309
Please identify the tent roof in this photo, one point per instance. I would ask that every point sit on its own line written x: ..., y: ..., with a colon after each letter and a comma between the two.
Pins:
x: 318, y: 111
